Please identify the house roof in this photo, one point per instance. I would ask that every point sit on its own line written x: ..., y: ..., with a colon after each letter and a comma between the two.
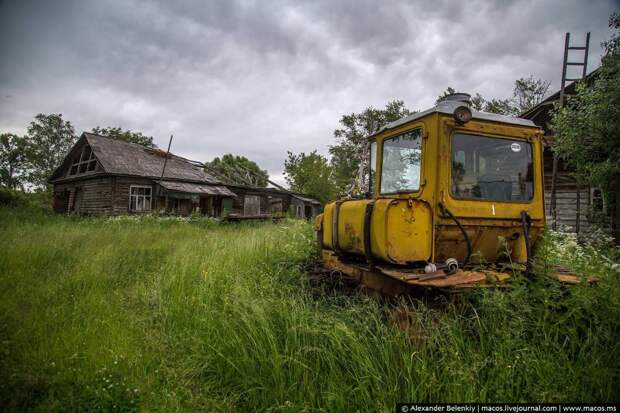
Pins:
x: 123, y: 158
x: 305, y: 199
x: 196, y: 188
x: 275, y: 191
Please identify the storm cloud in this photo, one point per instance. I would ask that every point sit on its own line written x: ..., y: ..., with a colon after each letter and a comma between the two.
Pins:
x: 260, y: 78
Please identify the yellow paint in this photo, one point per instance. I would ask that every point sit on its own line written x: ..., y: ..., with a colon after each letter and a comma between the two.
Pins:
x: 408, y: 227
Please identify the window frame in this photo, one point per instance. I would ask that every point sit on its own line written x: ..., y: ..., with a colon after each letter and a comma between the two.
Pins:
x: 372, y: 189
x: 150, y: 196
x: 83, y: 165
x: 491, y: 136
x: 422, y: 183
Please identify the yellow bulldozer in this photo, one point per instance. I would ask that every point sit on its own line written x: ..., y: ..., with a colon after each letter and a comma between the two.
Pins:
x: 455, y: 201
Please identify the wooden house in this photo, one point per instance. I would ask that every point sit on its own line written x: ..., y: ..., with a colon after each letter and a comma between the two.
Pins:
x: 101, y: 175
x: 577, y: 206
x: 105, y: 176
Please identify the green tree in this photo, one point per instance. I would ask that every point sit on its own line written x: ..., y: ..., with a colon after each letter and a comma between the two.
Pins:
x: 311, y: 174
x: 49, y: 138
x: 349, y: 157
x: 588, y: 128
x: 501, y: 107
x: 128, y: 136
x: 12, y: 160
x: 238, y: 170
x: 449, y: 91
x: 528, y: 92
x: 477, y: 101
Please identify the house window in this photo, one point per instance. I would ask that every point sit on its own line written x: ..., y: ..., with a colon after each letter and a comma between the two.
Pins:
x: 299, y: 211
x: 139, y: 198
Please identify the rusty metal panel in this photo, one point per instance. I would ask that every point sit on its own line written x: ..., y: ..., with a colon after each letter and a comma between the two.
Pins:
x: 408, y: 230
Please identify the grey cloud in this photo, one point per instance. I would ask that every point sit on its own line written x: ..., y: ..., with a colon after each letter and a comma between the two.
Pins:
x: 261, y: 78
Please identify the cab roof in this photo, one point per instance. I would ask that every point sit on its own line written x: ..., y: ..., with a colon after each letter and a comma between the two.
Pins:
x: 447, y: 107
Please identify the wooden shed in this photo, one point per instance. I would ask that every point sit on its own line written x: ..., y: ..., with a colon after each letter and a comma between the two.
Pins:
x: 101, y: 175
x: 253, y: 202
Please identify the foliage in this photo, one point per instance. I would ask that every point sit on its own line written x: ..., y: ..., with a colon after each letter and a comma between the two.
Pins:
x: 163, y: 315
x: 49, y: 138
x: 588, y: 128
x: 526, y: 93
x: 36, y: 201
x: 477, y: 101
x: 351, y: 152
x: 127, y: 136
x: 12, y: 198
x: 238, y: 170
x: 501, y: 107
x: 449, y: 91
x: 310, y: 174
x: 12, y: 160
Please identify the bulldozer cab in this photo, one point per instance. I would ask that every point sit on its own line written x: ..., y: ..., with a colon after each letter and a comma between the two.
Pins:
x: 447, y: 185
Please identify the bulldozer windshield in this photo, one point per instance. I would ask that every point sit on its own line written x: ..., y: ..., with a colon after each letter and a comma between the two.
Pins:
x: 400, y: 171
x: 489, y: 168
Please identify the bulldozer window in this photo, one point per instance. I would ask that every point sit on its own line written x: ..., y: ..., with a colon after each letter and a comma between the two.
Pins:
x: 402, y: 156
x: 491, y: 168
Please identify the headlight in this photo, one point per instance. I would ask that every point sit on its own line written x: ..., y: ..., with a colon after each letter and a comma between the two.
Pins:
x: 462, y: 114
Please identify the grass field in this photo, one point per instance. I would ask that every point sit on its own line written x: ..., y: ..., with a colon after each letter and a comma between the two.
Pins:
x: 166, y: 315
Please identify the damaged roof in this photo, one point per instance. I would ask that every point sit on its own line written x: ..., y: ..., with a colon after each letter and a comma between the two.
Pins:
x: 124, y: 158
x: 195, y: 188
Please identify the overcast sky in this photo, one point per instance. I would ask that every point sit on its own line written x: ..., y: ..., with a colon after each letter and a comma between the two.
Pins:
x: 258, y: 78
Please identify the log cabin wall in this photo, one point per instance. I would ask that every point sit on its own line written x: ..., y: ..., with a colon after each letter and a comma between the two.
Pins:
x: 573, y: 203
x: 238, y: 203
x: 570, y: 201
x: 92, y: 196
x: 297, y: 208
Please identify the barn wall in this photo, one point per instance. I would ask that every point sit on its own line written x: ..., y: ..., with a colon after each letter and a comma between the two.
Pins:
x: 99, y: 195
x: 96, y: 196
x: 297, y: 208
x: 265, y: 200
x: 566, y: 198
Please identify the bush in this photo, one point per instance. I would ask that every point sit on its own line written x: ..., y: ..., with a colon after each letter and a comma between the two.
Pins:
x: 18, y: 199
x: 12, y: 198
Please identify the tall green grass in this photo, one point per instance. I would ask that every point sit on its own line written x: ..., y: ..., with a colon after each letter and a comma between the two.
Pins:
x: 168, y: 315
